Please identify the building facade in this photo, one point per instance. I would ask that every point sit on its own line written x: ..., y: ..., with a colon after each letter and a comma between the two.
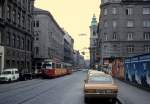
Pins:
x: 16, y: 34
x: 79, y: 61
x: 68, y: 48
x: 93, y: 42
x: 124, y: 28
x: 48, y: 38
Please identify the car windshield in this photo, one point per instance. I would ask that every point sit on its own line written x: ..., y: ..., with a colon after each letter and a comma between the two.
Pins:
x: 100, y: 79
x: 6, y: 72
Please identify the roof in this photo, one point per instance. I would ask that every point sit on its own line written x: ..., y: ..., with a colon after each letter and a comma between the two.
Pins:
x: 38, y: 11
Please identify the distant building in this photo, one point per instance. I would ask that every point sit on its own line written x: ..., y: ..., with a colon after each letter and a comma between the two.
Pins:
x: 79, y: 61
x: 68, y: 48
x: 124, y: 28
x: 48, y: 38
x: 16, y: 34
x: 93, y: 42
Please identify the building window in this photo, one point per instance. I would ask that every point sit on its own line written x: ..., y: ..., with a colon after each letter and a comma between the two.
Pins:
x: 129, y: 11
x: 146, y: 23
x: 37, y: 24
x: 105, y: 37
x: 13, y: 15
x: 36, y: 50
x: 94, y: 33
x: 23, y: 20
x: 28, y: 45
x: 130, y: 24
x: 114, y: 36
x: 114, y: 24
x: 18, y: 42
x: 13, y: 40
x: 114, y: 11
x: 130, y: 36
x: 115, y: 48
x: 1, y: 10
x: 8, y: 39
x: 147, y: 48
x: 105, y: 11
x: 7, y: 63
x: 8, y: 12
x: 105, y: 24
x: 34, y: 24
x: 22, y: 43
x: 19, y: 18
x: 146, y: 10
x: 130, y: 49
x: 146, y: 35
x: 95, y: 42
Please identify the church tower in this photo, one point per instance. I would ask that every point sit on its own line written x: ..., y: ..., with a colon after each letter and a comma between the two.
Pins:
x: 93, y: 41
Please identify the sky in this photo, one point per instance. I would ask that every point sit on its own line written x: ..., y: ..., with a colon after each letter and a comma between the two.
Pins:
x: 75, y: 17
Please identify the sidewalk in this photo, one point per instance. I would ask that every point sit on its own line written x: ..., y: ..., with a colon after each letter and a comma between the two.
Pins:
x: 129, y: 94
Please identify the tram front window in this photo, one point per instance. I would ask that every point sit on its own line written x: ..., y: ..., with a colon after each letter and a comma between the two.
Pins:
x: 47, y: 66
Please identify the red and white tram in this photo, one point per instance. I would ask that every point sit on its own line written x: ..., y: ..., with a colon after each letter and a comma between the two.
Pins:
x: 51, y: 69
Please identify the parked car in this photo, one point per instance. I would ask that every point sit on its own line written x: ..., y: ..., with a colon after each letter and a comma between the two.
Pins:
x: 9, y: 75
x: 100, y: 86
x: 25, y: 74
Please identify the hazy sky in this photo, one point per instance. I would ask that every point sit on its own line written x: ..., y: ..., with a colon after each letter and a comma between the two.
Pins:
x: 74, y: 16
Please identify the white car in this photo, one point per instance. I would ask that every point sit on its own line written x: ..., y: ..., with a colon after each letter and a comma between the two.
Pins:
x: 9, y: 75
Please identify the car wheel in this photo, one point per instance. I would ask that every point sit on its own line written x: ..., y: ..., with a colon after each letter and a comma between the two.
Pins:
x: 9, y: 81
x: 114, y: 101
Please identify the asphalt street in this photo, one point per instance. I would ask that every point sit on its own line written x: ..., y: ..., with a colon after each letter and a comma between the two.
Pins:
x: 62, y: 90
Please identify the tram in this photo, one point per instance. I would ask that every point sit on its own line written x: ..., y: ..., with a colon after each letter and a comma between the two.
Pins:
x: 51, y: 69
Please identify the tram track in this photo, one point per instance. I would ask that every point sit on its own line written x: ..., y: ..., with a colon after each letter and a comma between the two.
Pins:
x: 11, y: 88
x: 32, y: 88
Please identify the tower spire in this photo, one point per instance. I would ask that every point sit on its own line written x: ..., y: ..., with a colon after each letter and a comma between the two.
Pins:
x: 94, y: 21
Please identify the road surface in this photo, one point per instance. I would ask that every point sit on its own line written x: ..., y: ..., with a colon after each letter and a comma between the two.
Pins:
x: 62, y: 90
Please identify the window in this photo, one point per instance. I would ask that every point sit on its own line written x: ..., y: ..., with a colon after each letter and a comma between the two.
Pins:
x: 147, y: 48
x: 13, y: 40
x: 129, y: 11
x: 22, y: 43
x: 33, y: 23
x: 130, y: 24
x: 105, y: 24
x: 146, y: 23
x: 18, y: 42
x: 8, y: 39
x: 13, y: 15
x: 146, y: 35
x: 130, y: 49
x: 23, y: 20
x: 114, y: 10
x: 37, y: 23
x: 130, y: 36
x: 114, y: 36
x: 19, y: 18
x: 95, y: 42
x: 105, y: 37
x: 94, y: 33
x: 8, y: 12
x: 105, y: 11
x: 1, y: 10
x: 37, y: 50
x: 114, y: 24
x: 28, y: 45
x: 146, y: 10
